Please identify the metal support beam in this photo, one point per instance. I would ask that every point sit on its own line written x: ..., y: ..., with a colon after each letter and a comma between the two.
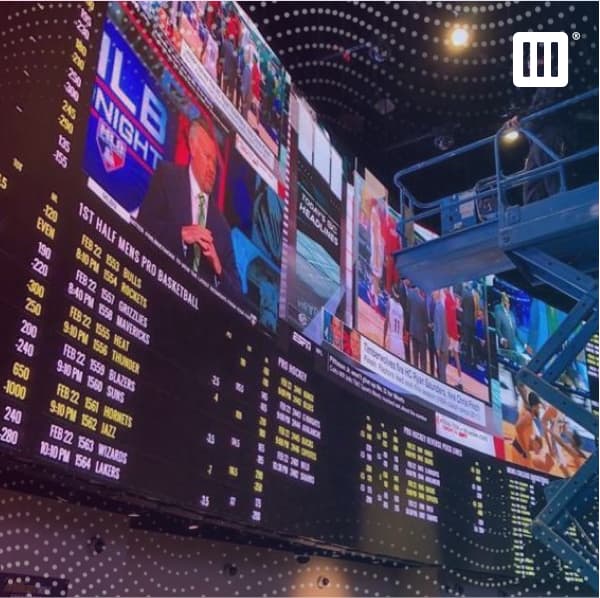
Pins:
x: 571, y: 336
x: 572, y: 348
x: 592, y: 546
x: 547, y: 242
x: 583, y: 310
x: 566, y: 553
x: 556, y: 506
x: 556, y: 525
x: 553, y: 272
x: 557, y: 516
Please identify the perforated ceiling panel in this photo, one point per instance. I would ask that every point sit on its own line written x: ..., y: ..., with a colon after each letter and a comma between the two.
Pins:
x: 71, y: 550
x: 51, y: 548
x: 385, y: 75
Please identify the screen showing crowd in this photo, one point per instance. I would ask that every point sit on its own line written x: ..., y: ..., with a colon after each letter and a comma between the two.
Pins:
x: 232, y: 53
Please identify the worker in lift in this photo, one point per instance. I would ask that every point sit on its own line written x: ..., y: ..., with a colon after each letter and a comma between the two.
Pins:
x: 550, y: 131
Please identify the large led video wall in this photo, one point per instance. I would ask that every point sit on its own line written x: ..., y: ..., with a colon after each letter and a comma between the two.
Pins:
x: 201, y: 308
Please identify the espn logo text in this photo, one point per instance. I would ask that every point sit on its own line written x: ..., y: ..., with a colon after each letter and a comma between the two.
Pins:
x: 533, y: 40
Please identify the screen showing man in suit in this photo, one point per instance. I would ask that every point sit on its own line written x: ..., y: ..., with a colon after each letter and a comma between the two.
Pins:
x: 180, y: 211
x: 204, y: 187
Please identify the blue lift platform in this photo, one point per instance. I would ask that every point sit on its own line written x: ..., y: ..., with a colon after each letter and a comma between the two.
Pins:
x: 550, y: 249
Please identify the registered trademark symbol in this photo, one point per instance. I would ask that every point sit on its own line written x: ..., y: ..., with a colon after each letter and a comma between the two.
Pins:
x: 576, y: 35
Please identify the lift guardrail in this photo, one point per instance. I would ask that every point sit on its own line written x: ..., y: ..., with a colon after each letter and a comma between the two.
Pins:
x: 487, y: 199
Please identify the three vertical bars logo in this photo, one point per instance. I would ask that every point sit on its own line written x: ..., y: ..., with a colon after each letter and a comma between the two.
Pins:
x: 560, y: 41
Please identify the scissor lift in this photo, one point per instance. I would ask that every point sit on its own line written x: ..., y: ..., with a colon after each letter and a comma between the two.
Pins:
x: 549, y: 248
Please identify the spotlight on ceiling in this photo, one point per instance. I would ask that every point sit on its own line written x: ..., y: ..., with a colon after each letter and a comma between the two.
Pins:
x: 511, y: 135
x: 459, y: 37
x: 443, y: 142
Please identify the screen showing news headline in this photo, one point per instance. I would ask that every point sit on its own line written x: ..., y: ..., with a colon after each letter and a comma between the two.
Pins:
x: 314, y: 278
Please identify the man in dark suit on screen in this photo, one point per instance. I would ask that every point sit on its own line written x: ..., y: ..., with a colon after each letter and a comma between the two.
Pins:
x: 469, y: 306
x: 418, y: 327
x: 506, y: 324
x: 179, y: 211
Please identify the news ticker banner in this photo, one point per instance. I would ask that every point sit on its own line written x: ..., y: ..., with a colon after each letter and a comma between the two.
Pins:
x: 466, y: 435
x: 386, y: 378
x: 379, y: 378
x: 416, y: 382
x: 439, y: 396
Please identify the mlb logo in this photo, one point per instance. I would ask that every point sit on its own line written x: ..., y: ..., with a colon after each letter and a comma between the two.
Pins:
x: 545, y: 39
x: 112, y: 148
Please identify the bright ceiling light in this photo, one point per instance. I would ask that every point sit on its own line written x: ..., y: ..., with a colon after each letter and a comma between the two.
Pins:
x: 460, y: 37
x: 511, y: 135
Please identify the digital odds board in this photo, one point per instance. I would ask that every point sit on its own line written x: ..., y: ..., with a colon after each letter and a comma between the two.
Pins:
x: 144, y: 180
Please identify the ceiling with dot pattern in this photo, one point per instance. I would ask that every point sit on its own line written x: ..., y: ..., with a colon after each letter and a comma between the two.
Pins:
x: 56, y: 548
x: 385, y: 76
